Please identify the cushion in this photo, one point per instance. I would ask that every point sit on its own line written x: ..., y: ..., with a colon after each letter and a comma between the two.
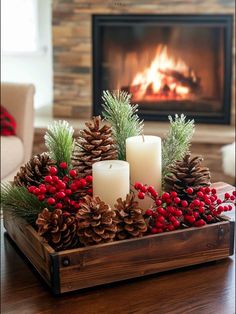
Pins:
x: 8, y: 123
x: 12, y: 154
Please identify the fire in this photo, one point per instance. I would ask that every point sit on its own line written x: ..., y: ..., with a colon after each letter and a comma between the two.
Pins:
x: 165, y: 78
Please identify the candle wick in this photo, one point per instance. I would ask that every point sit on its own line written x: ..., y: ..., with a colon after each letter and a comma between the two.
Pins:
x: 110, y: 166
x: 143, y: 138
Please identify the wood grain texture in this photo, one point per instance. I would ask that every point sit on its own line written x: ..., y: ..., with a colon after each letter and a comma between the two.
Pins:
x: 116, y: 261
x: 72, y: 41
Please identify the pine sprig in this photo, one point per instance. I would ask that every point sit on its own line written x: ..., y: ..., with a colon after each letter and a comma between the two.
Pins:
x: 21, y: 203
x: 122, y: 117
x: 177, y: 142
x: 59, y: 141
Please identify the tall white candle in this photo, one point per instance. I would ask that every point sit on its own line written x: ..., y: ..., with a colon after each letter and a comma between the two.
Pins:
x: 111, y: 180
x: 144, y: 156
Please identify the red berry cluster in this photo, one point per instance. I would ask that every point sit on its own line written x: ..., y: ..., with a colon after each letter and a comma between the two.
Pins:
x: 171, y: 212
x: 65, y: 192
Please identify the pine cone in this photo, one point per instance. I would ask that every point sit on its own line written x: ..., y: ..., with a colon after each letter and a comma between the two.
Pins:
x: 187, y: 173
x: 33, y: 171
x: 129, y: 219
x: 59, y: 229
x: 95, y: 143
x: 95, y: 222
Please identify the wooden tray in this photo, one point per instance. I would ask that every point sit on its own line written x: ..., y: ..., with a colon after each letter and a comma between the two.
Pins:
x: 86, y: 267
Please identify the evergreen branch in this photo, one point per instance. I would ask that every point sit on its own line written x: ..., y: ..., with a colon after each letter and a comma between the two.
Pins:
x: 177, y: 142
x: 21, y: 203
x: 59, y: 141
x: 123, y: 118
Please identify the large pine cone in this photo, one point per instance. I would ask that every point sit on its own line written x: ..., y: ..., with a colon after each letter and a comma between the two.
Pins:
x: 95, y: 222
x: 187, y: 173
x: 58, y: 228
x: 95, y: 143
x: 33, y: 171
x: 129, y: 219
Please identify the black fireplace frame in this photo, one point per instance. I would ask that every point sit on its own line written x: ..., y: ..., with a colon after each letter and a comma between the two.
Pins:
x: 225, y: 20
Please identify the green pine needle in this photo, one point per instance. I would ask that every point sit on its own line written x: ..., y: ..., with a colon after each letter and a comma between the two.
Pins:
x: 177, y: 142
x: 21, y: 203
x: 122, y: 116
x: 59, y: 141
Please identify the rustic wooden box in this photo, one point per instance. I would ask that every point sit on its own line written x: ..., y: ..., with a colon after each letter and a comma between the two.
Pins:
x: 85, y: 267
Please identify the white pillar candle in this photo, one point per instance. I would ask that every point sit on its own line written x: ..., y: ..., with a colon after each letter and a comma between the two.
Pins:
x: 111, y: 180
x: 144, y: 156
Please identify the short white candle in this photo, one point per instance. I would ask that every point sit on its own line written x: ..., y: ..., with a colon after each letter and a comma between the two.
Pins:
x: 111, y: 180
x: 144, y: 156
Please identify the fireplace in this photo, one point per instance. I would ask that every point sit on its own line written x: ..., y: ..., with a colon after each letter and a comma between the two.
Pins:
x: 169, y: 63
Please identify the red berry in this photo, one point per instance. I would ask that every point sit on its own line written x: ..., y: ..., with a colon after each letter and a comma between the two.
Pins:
x: 77, y: 205
x: 89, y: 179
x: 219, y: 201
x: 154, y: 230
x: 158, y: 224
x: 158, y: 202
x: 60, y: 195
x: 196, y: 202
x: 177, y: 200
x: 55, y: 178
x: 143, y: 189
x: 173, y: 194
x: 178, y: 212
x: 227, y: 196
x: 41, y: 197
x: 51, y: 201
x: 61, y: 185
x: 232, y: 197
x: 52, y: 190
x: 68, y: 191
x: 207, y: 190
x: 90, y: 191
x: 234, y: 193
x: 209, y: 217
x: 73, y: 187
x: 195, y: 214
x: 36, y: 191
x: 200, y: 194
x: 83, y: 183
x: 189, y: 191
x: 149, y: 212
x: 226, y: 208
x: 63, y: 165
x: 170, y: 209
x: 230, y: 207
x: 73, y: 173
x: 59, y: 205
x: 43, y: 190
x: 170, y: 227
x: 161, y: 219
x: 207, y: 201
x: 184, y: 204
x: 190, y: 219
x: 221, y: 208
x: 161, y: 211
x: 213, y: 191
x: 176, y: 223
x: 48, y: 179
x: 53, y: 171
x: 200, y: 223
x: 165, y: 195
x: 66, y: 179
x: 201, y: 210
x: 31, y: 188
x: 138, y: 186
x: 168, y: 201
x: 141, y: 195
x: 159, y: 230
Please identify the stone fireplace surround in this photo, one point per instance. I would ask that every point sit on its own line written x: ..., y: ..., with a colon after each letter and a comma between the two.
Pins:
x: 72, y: 44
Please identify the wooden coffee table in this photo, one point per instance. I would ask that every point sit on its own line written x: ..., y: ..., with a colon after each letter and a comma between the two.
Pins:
x: 204, y: 289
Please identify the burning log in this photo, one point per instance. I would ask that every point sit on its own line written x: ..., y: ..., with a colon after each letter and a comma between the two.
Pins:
x: 188, y: 81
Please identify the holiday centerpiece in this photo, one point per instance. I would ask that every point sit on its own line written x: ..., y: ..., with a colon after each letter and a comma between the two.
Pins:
x: 113, y: 184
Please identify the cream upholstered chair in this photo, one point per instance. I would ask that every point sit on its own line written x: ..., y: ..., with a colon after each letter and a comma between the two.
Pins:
x: 18, y: 99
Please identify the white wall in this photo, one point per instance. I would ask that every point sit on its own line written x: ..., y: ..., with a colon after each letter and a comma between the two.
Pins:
x: 34, y: 68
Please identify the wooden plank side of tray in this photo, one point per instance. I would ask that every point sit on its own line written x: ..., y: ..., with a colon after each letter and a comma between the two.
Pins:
x: 31, y: 245
x: 122, y: 260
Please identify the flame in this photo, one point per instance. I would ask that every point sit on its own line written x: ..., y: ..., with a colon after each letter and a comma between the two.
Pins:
x: 165, y: 78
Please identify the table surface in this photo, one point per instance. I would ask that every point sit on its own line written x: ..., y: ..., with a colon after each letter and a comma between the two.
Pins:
x: 202, y: 289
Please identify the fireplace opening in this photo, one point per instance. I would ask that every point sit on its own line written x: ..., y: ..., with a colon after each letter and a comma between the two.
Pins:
x: 170, y: 64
